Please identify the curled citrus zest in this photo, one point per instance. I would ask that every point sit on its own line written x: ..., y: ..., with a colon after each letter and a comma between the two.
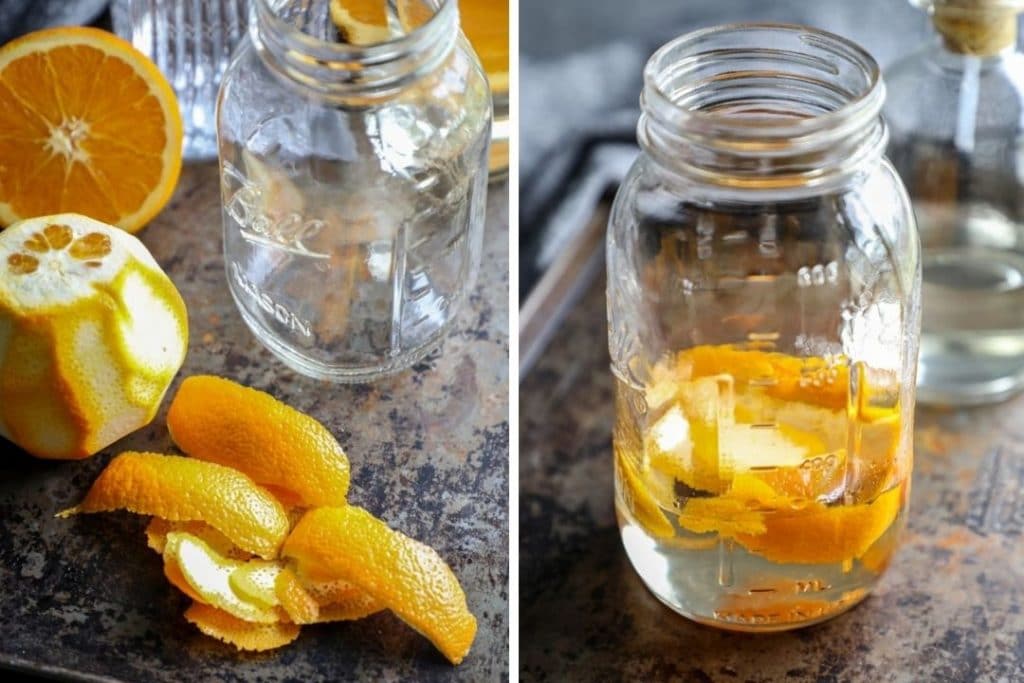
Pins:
x: 209, y: 575
x: 219, y: 421
x: 184, y: 489
x: 157, y: 530
x: 293, y: 597
x: 406, y: 576
x: 243, y: 635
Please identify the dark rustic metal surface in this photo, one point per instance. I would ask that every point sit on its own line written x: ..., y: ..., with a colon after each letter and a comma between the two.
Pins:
x: 429, y: 453
x: 949, y: 608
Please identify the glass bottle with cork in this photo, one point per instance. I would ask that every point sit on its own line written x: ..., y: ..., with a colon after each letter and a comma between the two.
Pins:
x: 956, y: 111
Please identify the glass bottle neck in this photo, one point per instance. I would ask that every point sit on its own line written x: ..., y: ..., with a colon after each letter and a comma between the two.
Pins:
x: 769, y: 110
x: 296, y: 41
x: 975, y: 29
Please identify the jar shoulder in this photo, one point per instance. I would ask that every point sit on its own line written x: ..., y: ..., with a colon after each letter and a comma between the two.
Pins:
x: 648, y: 192
x: 873, y: 206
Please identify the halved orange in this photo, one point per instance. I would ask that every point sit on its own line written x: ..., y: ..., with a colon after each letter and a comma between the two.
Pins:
x: 89, y: 125
x: 407, y: 576
x: 184, y: 489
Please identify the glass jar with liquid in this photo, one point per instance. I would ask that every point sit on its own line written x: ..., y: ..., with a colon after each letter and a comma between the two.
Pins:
x: 956, y: 113
x: 354, y: 174
x: 763, y: 315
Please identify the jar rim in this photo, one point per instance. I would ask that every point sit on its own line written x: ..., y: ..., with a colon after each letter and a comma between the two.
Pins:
x: 763, y: 107
x: 341, y: 69
x: 867, y: 103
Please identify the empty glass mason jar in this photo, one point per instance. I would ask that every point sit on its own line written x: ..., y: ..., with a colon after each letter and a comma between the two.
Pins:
x: 354, y: 185
x: 763, y: 306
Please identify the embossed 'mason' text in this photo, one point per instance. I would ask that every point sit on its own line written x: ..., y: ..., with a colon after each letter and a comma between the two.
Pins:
x: 264, y: 301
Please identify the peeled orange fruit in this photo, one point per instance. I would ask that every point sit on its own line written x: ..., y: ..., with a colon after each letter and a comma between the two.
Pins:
x: 87, y: 124
x: 220, y: 421
x: 406, y: 576
x: 183, y: 489
x: 91, y: 334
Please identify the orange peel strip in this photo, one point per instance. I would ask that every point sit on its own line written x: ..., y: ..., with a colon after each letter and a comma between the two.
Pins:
x: 220, y: 421
x: 341, y: 600
x: 173, y: 573
x: 641, y: 504
x: 185, y: 489
x: 824, y: 535
x: 300, y: 606
x: 209, y: 575
x: 158, y: 528
x: 242, y: 634
x: 407, y: 576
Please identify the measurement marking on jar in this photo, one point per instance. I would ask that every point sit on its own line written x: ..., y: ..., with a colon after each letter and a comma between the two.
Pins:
x: 420, y: 242
x: 818, y: 275
x: 419, y: 292
x: 271, y: 307
x: 812, y: 586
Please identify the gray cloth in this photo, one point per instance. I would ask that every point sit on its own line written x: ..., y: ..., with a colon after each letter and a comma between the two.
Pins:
x: 580, y: 79
x: 18, y: 17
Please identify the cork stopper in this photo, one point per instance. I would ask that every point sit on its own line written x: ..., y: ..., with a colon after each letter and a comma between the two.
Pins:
x: 976, y: 27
